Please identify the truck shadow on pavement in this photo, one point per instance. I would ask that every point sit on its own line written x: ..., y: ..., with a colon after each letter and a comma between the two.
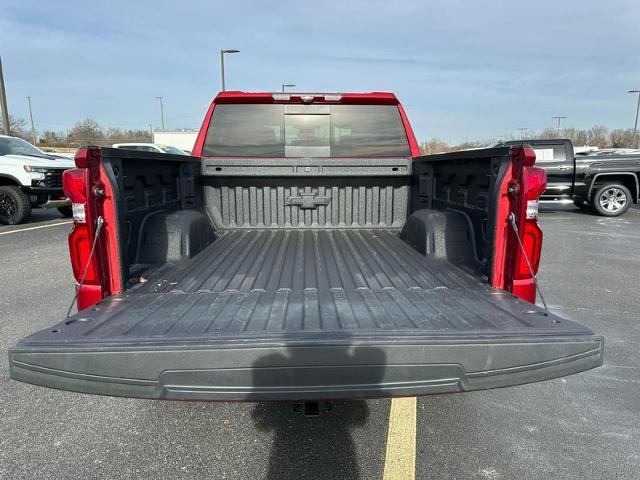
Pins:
x: 316, y: 447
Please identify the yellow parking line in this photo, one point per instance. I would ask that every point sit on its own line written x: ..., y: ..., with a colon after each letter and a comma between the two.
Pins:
x: 36, y: 228
x: 400, y: 461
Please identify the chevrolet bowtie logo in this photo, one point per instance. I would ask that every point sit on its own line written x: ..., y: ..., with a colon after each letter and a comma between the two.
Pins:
x: 308, y: 200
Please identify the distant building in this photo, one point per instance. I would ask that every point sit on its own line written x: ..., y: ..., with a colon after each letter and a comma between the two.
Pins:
x: 184, y: 138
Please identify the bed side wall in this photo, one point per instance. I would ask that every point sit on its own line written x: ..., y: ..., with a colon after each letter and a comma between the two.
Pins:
x: 452, y: 206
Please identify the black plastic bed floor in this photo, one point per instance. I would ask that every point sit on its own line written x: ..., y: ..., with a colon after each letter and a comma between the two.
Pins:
x: 307, y: 284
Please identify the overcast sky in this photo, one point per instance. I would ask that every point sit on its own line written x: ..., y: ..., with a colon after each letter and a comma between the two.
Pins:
x: 463, y: 69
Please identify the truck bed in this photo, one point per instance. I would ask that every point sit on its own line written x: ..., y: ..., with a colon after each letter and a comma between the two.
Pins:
x: 297, y: 281
x: 305, y: 314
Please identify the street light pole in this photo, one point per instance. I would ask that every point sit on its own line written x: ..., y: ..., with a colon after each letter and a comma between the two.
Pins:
x: 33, y: 128
x: 559, y: 117
x: 3, y: 104
x: 522, y: 131
x: 287, y: 85
x: 635, y: 125
x: 222, y: 52
x: 161, y: 114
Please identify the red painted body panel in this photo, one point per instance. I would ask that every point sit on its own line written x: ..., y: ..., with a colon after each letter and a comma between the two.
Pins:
x: 502, y: 232
x: 88, y: 295
x: 413, y: 143
x: 109, y: 237
x: 197, y: 148
x: 372, y: 98
x: 509, y: 267
x: 104, y: 276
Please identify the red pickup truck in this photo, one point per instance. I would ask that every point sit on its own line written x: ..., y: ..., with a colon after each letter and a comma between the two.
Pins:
x: 306, y: 251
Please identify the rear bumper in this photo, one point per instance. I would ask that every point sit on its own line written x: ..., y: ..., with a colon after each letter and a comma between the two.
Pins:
x: 304, y: 371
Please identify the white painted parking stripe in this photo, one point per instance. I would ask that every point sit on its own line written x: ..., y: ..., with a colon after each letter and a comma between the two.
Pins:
x: 36, y: 228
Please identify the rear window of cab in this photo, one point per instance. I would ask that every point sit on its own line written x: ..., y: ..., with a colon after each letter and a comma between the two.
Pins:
x: 295, y: 130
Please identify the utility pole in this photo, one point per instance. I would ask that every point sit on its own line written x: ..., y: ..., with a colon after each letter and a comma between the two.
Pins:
x: 161, y: 114
x: 559, y: 117
x: 222, y: 52
x: 635, y: 125
x: 33, y: 128
x: 3, y: 104
x: 287, y: 85
x: 523, y: 130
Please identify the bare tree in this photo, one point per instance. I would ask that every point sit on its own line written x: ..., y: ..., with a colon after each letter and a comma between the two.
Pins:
x: 472, y: 144
x: 569, y: 133
x: 87, y: 132
x: 115, y: 135
x: 548, y: 133
x: 621, y: 138
x: 50, y: 138
x: 598, y: 136
x: 17, y: 127
x: 434, y: 145
x: 580, y: 137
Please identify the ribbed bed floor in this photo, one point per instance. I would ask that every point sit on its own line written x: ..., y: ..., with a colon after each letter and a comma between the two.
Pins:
x: 270, y: 260
x: 305, y: 283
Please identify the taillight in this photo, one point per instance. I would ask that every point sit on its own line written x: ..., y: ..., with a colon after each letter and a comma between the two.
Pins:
x: 74, y: 184
x: 534, y: 180
x: 528, y: 184
x: 80, y: 243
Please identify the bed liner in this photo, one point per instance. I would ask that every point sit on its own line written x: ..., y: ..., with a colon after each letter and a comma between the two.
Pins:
x: 305, y: 314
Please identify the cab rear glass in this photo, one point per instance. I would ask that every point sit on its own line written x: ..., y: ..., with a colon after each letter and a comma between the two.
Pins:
x: 294, y: 130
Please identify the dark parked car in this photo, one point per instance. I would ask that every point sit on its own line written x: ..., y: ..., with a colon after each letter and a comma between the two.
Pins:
x: 605, y: 183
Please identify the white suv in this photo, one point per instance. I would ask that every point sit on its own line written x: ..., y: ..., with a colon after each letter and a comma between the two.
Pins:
x: 29, y: 178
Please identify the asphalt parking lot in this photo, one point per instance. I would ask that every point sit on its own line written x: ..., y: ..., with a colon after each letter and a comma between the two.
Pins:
x: 584, y: 426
